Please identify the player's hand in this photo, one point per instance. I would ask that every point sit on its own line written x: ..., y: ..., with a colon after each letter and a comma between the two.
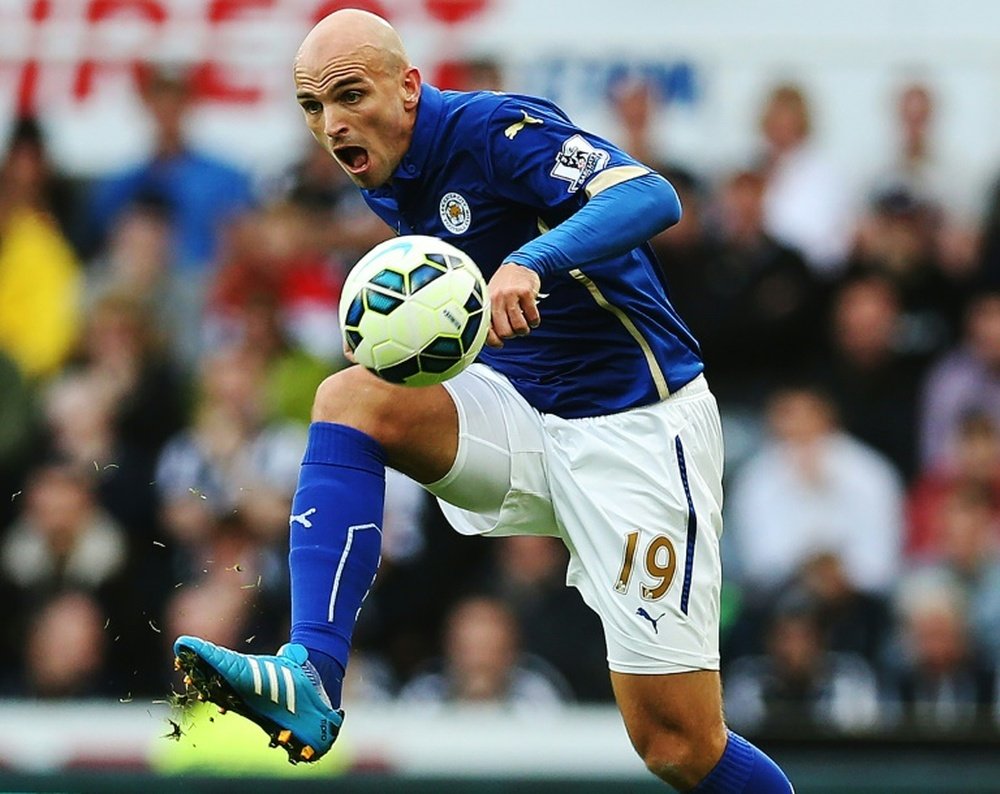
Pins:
x: 513, y: 302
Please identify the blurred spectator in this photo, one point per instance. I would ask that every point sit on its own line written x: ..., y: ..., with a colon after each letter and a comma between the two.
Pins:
x: 800, y: 684
x: 975, y: 466
x: 291, y: 374
x: 871, y: 376
x: 969, y: 554
x: 63, y: 538
x: 897, y: 239
x: 752, y: 303
x: 66, y: 649
x: 966, y: 380
x: 138, y: 261
x: 80, y: 425
x: 39, y: 273
x: 63, y: 541
x: 915, y: 160
x: 813, y: 488
x: 805, y: 202
x: 852, y: 620
x: 202, y: 192
x: 483, y: 663
x: 556, y: 625
x: 31, y: 177
x: 122, y: 350
x: 231, y: 458
x: 938, y: 681
x: 276, y: 258
x: 917, y: 167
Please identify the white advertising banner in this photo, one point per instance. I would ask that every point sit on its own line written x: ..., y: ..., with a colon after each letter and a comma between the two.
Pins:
x: 72, y: 63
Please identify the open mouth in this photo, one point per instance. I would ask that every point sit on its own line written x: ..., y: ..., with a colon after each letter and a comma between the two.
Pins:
x: 354, y: 158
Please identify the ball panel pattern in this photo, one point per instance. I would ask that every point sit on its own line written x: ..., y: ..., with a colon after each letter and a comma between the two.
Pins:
x: 413, y: 311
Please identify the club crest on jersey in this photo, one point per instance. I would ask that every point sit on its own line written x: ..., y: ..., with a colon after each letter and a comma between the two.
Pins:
x: 455, y: 213
x: 577, y: 161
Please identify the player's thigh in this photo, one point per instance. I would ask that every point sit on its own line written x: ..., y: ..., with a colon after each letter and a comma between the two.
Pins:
x: 639, y: 500
x: 673, y: 719
x: 498, y: 481
x: 417, y: 427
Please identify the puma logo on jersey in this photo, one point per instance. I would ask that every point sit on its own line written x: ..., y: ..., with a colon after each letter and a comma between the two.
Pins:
x: 642, y: 613
x: 302, y: 518
x: 517, y: 126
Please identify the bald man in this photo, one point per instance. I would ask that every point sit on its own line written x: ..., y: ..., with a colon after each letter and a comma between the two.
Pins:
x: 596, y: 426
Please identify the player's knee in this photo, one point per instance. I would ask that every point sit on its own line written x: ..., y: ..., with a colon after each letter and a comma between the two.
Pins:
x: 677, y: 757
x: 356, y: 398
x: 667, y: 755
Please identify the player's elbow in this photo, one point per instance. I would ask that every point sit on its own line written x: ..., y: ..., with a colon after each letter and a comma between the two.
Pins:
x: 653, y: 203
x: 668, y: 204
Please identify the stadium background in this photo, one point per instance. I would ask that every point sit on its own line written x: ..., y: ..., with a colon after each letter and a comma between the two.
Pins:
x: 161, y: 343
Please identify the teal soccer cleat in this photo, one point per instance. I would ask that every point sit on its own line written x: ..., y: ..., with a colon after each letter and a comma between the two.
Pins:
x: 281, y: 693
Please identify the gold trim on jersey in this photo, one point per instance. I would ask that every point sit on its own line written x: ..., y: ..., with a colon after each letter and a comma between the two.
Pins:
x: 610, y: 177
x: 654, y: 367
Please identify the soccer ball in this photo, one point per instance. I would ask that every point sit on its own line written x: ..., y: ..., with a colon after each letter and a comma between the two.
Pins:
x: 414, y: 310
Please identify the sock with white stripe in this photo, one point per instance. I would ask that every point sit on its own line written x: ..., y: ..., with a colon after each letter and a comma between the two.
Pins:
x: 335, y: 543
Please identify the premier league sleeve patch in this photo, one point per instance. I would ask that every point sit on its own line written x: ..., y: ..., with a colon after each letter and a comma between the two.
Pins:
x: 577, y: 161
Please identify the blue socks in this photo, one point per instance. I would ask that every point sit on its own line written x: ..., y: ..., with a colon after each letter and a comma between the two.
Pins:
x: 335, y: 543
x: 743, y: 769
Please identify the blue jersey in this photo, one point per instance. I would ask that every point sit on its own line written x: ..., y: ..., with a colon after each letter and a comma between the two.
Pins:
x: 488, y: 172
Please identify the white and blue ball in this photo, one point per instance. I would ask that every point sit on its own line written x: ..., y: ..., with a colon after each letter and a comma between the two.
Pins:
x: 414, y: 310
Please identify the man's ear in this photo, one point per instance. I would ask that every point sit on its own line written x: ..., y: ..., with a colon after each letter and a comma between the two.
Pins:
x: 411, y: 87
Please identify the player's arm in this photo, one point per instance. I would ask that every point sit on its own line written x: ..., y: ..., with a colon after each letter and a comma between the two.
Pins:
x: 616, y: 220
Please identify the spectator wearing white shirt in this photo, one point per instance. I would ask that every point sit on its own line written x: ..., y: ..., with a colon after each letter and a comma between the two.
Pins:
x: 806, y: 202
x: 813, y: 489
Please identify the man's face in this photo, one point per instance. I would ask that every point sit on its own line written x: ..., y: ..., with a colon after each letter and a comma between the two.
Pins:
x: 360, y: 106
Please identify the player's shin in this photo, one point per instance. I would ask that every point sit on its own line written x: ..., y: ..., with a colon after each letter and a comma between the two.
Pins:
x: 335, y: 543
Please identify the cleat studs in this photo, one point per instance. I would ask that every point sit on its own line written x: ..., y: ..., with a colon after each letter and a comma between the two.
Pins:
x: 188, y: 680
x: 273, y: 742
x: 307, y: 753
x: 201, y: 697
x: 284, y: 736
x: 223, y: 709
x: 177, y: 662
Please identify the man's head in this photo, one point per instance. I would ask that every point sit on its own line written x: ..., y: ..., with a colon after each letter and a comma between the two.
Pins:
x: 168, y: 93
x: 359, y: 93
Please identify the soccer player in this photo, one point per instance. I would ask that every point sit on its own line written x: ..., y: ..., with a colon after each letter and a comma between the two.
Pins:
x: 595, y: 425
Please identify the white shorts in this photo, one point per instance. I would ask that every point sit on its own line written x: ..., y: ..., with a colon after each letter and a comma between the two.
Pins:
x: 636, y: 497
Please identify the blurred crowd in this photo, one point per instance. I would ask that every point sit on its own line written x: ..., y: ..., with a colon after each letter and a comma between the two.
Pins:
x: 163, y: 329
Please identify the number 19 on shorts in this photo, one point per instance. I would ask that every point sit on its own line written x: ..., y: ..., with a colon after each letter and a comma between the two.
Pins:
x: 659, y: 561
